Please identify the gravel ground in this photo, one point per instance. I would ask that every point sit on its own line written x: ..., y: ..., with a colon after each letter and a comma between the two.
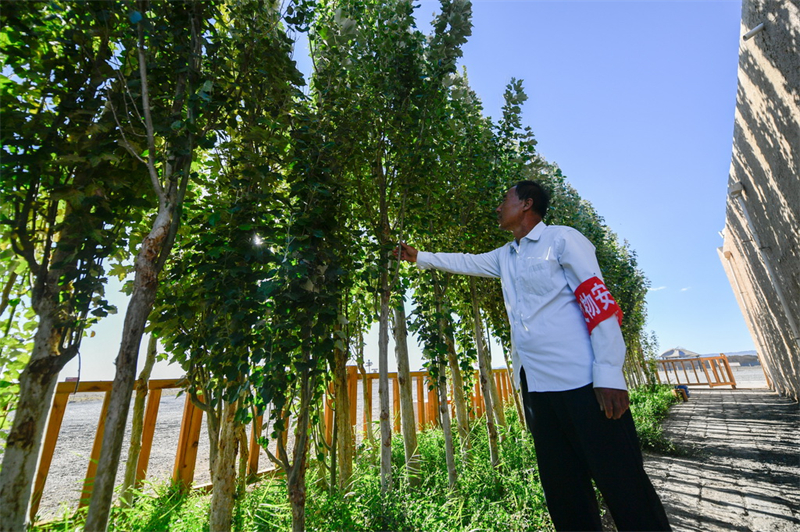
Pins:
x: 71, y: 457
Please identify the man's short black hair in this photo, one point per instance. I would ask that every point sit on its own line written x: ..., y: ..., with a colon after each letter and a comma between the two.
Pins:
x: 536, y: 192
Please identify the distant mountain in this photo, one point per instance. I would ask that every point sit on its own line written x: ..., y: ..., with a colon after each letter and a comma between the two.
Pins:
x: 743, y: 358
x: 735, y: 353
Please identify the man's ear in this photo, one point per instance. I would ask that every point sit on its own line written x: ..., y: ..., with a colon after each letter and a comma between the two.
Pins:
x: 527, y: 204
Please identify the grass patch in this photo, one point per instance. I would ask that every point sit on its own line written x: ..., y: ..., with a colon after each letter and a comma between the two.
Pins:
x: 510, y: 498
x: 649, y: 406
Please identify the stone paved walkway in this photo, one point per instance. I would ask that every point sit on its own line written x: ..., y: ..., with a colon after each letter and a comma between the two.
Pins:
x: 745, y: 473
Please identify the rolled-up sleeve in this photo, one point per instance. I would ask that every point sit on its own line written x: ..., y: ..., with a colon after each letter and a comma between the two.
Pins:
x: 480, y: 265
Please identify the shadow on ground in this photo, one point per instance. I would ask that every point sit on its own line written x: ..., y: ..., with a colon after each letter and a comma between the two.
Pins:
x: 743, y: 472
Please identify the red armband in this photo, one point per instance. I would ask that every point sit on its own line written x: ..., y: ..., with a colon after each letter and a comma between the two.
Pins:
x: 596, y: 303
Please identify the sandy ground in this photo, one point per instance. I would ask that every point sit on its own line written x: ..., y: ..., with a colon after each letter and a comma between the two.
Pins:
x: 71, y: 457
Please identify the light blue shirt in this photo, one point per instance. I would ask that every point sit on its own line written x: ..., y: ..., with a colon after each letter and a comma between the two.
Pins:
x: 549, y: 337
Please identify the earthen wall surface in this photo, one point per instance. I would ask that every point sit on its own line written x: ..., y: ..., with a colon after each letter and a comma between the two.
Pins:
x: 761, y: 251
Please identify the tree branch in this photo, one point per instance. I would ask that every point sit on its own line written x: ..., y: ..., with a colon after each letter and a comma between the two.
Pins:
x: 148, y: 120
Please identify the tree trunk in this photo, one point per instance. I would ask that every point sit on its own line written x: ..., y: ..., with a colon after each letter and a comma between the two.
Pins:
x: 408, y: 424
x: 37, y: 385
x: 126, y: 495
x: 224, y: 476
x: 514, y: 390
x: 296, y: 475
x: 441, y: 384
x: 169, y: 185
x: 333, y: 450
x: 244, y: 456
x: 498, y: 404
x: 141, y: 303
x: 343, y: 424
x: 364, y: 388
x: 213, y: 421
x: 444, y: 414
x: 460, y: 400
x: 485, y: 378
x: 383, y: 386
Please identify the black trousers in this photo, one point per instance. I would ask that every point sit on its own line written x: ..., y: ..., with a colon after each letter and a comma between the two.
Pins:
x: 576, y: 443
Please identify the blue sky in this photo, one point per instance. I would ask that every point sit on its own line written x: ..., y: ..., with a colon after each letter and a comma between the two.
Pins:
x: 634, y: 100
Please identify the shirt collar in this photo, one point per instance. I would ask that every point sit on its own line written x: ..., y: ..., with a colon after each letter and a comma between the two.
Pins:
x: 536, y: 232
x: 533, y: 235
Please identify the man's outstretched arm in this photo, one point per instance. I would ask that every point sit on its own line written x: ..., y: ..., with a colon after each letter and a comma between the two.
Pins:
x: 481, y: 265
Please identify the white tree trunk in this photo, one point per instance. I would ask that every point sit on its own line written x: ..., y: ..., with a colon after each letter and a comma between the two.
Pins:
x: 408, y: 423
x: 485, y: 378
x: 224, y: 479
x: 444, y: 415
x: 383, y: 388
x: 296, y: 474
x: 365, y: 392
x: 126, y: 495
x: 499, y: 413
x: 37, y: 385
x: 141, y: 303
x: 514, y: 391
x: 462, y: 418
x: 344, y: 432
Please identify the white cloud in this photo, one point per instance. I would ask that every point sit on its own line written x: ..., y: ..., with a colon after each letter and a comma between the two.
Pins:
x: 685, y: 289
x: 657, y: 288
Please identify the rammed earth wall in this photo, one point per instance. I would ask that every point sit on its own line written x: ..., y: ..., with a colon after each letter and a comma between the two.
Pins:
x: 761, y: 250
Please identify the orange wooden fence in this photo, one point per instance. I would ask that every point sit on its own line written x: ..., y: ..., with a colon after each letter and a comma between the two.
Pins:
x: 713, y: 371
x: 425, y: 408
x: 426, y: 402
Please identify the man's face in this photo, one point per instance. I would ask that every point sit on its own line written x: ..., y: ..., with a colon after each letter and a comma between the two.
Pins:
x: 510, y: 211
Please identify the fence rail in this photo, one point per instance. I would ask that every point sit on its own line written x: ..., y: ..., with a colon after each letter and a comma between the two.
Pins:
x: 425, y: 413
x: 713, y: 371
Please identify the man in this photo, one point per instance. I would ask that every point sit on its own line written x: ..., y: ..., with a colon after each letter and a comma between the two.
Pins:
x: 568, y: 351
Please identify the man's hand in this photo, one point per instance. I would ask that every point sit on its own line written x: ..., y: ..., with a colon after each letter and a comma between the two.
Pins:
x: 613, y: 402
x: 405, y: 252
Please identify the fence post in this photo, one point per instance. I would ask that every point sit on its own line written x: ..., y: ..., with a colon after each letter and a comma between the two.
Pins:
x: 255, y: 448
x: 420, y: 401
x: 499, y: 386
x: 731, y: 379
x: 328, y: 419
x: 48, y: 447
x: 91, y: 471
x: 396, y: 403
x: 433, y: 405
x: 148, y: 429
x: 683, y: 367
x: 186, y: 454
x: 352, y: 391
x: 481, y: 406
x: 368, y: 409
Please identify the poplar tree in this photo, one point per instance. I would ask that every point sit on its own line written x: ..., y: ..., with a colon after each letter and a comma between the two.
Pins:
x: 67, y: 196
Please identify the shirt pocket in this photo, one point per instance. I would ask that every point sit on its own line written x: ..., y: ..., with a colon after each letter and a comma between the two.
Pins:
x: 537, y: 275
